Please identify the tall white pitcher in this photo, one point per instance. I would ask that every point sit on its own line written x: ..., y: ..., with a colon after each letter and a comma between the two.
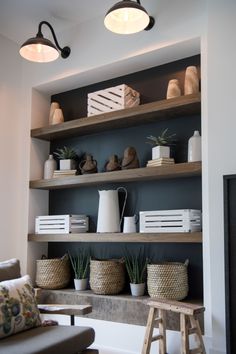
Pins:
x: 109, y: 219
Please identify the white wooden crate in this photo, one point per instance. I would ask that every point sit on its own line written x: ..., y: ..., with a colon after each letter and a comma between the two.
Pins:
x: 112, y: 99
x: 61, y: 224
x: 180, y: 220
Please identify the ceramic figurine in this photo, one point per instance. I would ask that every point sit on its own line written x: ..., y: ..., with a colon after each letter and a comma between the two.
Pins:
x: 113, y: 164
x: 173, y: 89
x: 89, y: 165
x: 191, y: 82
x: 53, y: 107
x: 57, y: 116
x: 130, y: 159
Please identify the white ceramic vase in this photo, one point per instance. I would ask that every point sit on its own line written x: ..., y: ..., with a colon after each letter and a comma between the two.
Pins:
x: 50, y: 166
x: 57, y: 116
x: 53, y: 107
x: 191, y: 82
x: 137, y: 289
x: 160, y: 151
x: 194, y: 147
x: 129, y: 224
x: 173, y: 89
x: 81, y: 284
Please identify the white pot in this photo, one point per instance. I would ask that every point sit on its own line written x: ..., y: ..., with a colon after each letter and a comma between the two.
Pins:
x: 81, y: 284
x: 137, y: 289
x: 67, y: 164
x: 160, y: 151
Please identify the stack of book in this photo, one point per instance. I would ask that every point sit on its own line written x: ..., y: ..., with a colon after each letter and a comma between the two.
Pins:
x: 64, y: 173
x: 160, y: 162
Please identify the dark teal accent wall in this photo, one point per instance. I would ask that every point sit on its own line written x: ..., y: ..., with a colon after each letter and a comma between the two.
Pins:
x: 150, y: 195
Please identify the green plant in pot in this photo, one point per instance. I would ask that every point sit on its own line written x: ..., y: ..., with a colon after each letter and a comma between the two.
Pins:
x: 161, y: 144
x: 136, y: 266
x: 67, y: 158
x: 80, y: 265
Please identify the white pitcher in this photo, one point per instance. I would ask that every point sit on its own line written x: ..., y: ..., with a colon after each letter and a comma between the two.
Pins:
x: 109, y: 219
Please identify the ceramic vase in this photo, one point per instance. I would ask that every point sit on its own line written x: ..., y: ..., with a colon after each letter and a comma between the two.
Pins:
x: 137, y: 289
x: 173, y: 89
x: 57, y: 116
x: 160, y: 151
x: 81, y: 284
x: 191, y: 82
x: 194, y: 147
x: 53, y: 107
x: 50, y: 166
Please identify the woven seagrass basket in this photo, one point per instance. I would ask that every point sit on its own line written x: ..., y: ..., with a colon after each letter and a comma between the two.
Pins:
x: 168, y: 280
x: 107, y: 277
x: 53, y: 273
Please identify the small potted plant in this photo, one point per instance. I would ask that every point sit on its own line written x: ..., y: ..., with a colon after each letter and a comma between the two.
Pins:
x: 136, y: 266
x: 67, y: 158
x: 80, y: 265
x: 161, y: 144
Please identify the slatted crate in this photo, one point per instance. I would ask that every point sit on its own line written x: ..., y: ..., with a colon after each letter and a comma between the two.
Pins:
x: 61, y: 224
x: 112, y: 99
x: 180, y: 220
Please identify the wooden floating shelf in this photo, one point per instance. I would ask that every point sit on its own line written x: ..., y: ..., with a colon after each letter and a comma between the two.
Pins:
x: 146, y: 113
x: 183, y: 237
x: 138, y: 174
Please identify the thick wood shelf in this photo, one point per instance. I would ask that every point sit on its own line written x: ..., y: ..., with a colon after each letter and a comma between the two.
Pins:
x: 122, y: 308
x: 146, y: 113
x: 184, y: 237
x: 138, y: 174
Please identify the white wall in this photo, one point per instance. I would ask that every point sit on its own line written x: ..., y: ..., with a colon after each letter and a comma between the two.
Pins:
x: 11, y: 150
x: 219, y: 126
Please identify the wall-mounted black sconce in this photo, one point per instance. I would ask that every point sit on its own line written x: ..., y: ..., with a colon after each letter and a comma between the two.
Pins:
x: 42, y: 50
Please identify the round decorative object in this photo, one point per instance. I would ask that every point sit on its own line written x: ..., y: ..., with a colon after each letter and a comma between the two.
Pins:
x: 168, y: 280
x: 107, y: 277
x: 50, y: 166
x: 173, y: 89
x: 191, y: 82
x: 53, y: 273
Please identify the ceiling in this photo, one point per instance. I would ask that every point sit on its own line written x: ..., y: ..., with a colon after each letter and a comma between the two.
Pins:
x: 19, y: 19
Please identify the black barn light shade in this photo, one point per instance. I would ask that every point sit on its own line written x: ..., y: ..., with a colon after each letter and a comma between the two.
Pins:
x: 42, y: 50
x: 127, y: 17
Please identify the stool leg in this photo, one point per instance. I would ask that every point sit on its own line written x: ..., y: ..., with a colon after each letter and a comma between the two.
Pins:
x: 149, y: 331
x: 184, y: 333
x: 162, y: 332
x: 198, y: 334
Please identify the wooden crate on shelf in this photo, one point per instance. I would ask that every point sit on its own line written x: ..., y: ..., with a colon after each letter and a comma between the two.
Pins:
x: 61, y: 224
x: 112, y: 99
x: 180, y: 220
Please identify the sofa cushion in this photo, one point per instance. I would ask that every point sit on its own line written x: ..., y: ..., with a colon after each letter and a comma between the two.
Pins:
x: 9, y: 269
x: 49, y: 340
x: 18, y: 308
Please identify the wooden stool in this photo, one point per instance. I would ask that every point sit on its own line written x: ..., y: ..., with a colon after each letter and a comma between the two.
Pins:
x: 188, y: 325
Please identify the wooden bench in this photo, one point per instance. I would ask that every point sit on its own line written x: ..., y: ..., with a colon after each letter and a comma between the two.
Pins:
x: 189, y: 325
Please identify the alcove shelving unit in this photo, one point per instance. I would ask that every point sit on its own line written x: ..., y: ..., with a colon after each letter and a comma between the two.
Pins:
x: 146, y: 113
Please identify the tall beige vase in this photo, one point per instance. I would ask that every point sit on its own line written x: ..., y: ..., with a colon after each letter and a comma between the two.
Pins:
x: 53, y: 107
x: 57, y: 116
x: 173, y: 89
x: 191, y: 82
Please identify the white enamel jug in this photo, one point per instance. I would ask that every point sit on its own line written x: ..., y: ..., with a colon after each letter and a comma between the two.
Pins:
x: 109, y: 219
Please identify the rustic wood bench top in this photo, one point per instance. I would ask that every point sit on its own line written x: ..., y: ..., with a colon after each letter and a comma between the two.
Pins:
x: 176, y: 306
